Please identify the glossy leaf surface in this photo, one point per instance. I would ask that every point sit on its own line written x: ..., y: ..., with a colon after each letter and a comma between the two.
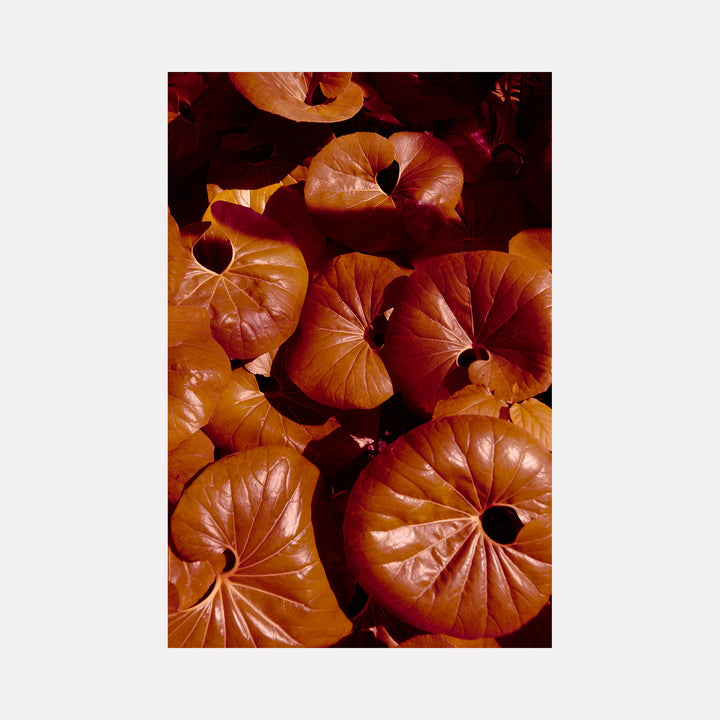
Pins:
x: 334, y: 356
x: 187, y: 581
x: 426, y: 534
x: 198, y: 369
x: 302, y: 96
x: 345, y: 194
x: 254, y: 294
x: 470, y: 400
x: 247, y: 416
x: 186, y: 460
x: 482, y: 316
x: 535, y: 244
x: 535, y: 417
x: 255, y: 509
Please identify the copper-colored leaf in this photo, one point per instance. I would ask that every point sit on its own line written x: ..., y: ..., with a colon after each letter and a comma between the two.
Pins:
x: 198, y: 369
x: 483, y: 317
x: 302, y: 96
x: 187, y: 581
x: 353, y: 202
x: 247, y: 416
x: 445, y: 641
x: 535, y: 417
x: 535, y: 244
x: 334, y: 353
x: 254, y: 199
x: 250, y: 275
x: 251, y: 513
x: 470, y: 400
x: 450, y: 527
x: 186, y: 460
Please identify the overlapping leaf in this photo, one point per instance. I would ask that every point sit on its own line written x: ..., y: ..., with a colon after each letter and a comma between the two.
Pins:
x: 482, y: 316
x: 253, y: 281
x: 351, y: 201
x: 198, y: 369
x: 450, y: 527
x: 535, y: 244
x: 250, y: 513
x: 321, y: 97
x: 186, y: 460
x: 535, y: 417
x: 247, y: 416
x: 334, y: 355
x: 470, y: 400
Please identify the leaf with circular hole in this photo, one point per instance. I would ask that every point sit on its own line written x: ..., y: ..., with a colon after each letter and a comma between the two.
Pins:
x: 251, y: 276
x: 302, y: 96
x: 334, y: 356
x: 470, y: 400
x: 535, y: 244
x: 198, y: 369
x: 535, y: 417
x: 381, y: 195
x: 483, y: 316
x: 255, y: 410
x: 251, y: 511
x: 186, y: 460
x: 450, y: 527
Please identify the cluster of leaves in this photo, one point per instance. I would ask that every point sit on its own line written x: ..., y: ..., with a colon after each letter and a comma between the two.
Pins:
x: 359, y: 325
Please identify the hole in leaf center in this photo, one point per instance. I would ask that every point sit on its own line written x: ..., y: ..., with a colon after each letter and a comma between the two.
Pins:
x: 229, y: 560
x: 501, y: 524
x: 466, y: 358
x: 387, y: 178
x: 214, y: 253
x: 185, y: 111
x: 267, y: 384
x: 482, y: 354
x: 317, y: 97
x: 375, y: 334
x: 258, y: 153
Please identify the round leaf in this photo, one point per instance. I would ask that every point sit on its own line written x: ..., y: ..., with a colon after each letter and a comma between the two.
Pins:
x: 250, y: 275
x: 249, y: 514
x: 198, y: 369
x: 334, y: 356
x: 302, y: 96
x: 429, y: 527
x: 353, y: 202
x: 483, y: 316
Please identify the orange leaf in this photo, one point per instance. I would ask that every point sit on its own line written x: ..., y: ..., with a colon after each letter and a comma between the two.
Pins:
x: 535, y: 417
x: 535, y: 244
x: 198, y: 369
x: 302, y: 96
x: 250, y: 275
x: 249, y: 514
x: 470, y: 400
x: 450, y: 527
